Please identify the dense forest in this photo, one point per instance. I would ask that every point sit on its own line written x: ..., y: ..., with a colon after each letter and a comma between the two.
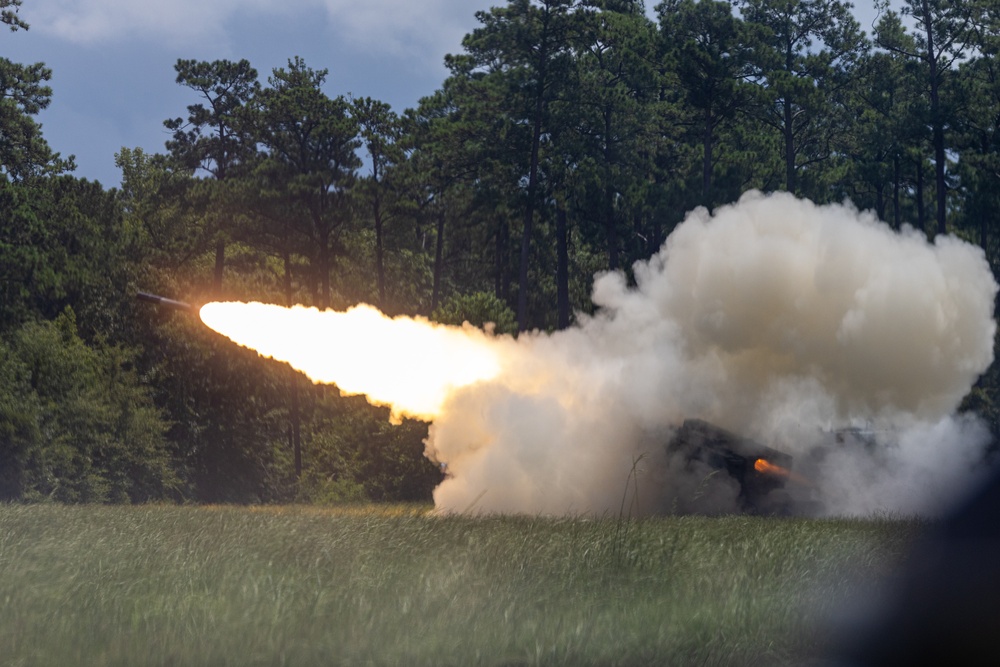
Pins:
x: 569, y: 138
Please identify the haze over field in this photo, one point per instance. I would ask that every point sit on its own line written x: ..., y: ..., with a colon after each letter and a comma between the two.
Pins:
x: 772, y: 317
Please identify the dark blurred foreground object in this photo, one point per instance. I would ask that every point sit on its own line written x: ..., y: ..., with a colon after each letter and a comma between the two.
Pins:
x: 944, y: 607
x: 163, y: 301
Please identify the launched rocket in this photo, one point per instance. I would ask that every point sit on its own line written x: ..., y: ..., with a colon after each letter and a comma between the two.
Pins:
x: 163, y: 301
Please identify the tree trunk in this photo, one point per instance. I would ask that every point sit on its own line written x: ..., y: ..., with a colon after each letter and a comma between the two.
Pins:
x: 438, y: 262
x: 294, y: 412
x: 324, y: 275
x: 379, y: 258
x: 984, y: 225
x: 940, y: 186
x: 220, y: 264
x: 529, y: 207
x: 501, y: 279
x: 789, y: 148
x: 706, y: 160
x: 610, y: 224
x: 789, y: 119
x: 526, y: 231
x: 921, y: 214
x: 937, y: 125
x: 562, y: 268
x: 896, y: 177
x: 295, y: 420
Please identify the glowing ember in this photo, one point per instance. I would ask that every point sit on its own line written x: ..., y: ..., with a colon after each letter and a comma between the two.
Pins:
x: 408, y: 364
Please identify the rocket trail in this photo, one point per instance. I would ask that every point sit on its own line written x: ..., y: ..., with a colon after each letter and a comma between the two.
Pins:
x: 409, y: 364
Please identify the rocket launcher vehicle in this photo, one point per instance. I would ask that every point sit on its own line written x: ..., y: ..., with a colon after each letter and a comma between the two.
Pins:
x: 760, y: 471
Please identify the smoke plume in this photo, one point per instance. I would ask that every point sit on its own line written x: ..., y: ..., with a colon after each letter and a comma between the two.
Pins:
x: 816, y: 330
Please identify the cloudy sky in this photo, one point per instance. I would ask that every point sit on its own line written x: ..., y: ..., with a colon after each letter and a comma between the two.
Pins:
x: 113, y: 78
x: 113, y: 60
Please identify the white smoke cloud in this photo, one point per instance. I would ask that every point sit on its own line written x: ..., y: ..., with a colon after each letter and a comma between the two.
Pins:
x: 774, y: 318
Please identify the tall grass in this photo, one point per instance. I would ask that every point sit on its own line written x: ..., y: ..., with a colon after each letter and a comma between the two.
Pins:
x: 166, y: 585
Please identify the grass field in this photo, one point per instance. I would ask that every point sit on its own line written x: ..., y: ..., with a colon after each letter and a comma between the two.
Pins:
x: 377, y: 585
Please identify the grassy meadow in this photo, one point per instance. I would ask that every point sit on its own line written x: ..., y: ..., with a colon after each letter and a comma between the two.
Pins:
x: 397, y: 585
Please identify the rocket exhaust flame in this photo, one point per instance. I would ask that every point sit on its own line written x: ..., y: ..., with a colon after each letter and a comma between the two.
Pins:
x: 408, y: 364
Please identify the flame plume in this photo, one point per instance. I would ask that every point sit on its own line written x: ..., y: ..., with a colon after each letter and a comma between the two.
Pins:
x: 408, y: 364
x: 766, y: 467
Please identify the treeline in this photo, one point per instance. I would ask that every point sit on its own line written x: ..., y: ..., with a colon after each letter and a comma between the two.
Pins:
x: 569, y: 137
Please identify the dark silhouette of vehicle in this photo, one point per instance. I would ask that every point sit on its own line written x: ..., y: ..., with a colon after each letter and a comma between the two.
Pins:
x: 761, y: 472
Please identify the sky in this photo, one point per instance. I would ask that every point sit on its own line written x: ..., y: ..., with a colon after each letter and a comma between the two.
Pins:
x: 113, y: 60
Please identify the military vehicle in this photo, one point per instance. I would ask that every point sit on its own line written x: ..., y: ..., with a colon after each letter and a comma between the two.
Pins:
x: 761, y: 472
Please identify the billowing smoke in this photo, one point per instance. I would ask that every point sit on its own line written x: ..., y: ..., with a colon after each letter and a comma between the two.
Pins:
x: 816, y: 330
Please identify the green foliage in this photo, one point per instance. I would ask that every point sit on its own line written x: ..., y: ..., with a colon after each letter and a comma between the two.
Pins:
x: 381, y: 132
x: 216, y: 138
x: 358, y: 455
x: 310, y: 140
x: 228, y: 411
x: 64, y: 244
x: 9, y: 15
x: 318, y: 489
x: 480, y: 309
x: 77, y: 425
x: 710, y: 49
x: 804, y: 54
x: 23, y: 94
x: 157, y: 216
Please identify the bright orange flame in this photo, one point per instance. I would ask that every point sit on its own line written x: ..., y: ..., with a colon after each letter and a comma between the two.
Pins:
x: 768, y: 468
x: 408, y: 364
